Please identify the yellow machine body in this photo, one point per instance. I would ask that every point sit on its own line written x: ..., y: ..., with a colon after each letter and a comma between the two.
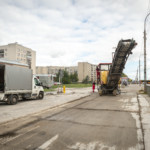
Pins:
x: 103, y: 76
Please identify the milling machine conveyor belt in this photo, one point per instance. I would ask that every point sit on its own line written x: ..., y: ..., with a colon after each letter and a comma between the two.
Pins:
x: 121, y: 55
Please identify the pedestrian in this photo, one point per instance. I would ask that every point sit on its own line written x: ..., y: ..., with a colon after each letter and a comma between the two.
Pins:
x: 93, y: 86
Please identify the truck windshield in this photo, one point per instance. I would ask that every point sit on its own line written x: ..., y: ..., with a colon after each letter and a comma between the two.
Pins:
x: 104, y: 67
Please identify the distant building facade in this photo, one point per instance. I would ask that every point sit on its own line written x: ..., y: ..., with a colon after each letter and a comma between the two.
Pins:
x: 55, y: 69
x: 83, y: 69
x: 86, y: 69
x: 19, y: 53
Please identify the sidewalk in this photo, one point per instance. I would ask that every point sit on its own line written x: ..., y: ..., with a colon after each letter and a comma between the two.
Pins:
x: 24, y: 108
x: 144, y: 101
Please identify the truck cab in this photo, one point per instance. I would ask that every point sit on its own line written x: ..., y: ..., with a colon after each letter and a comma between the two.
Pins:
x: 104, y: 70
x: 37, y: 88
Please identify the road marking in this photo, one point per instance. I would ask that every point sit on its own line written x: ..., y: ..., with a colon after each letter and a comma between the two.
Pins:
x: 91, y: 146
x: 8, y: 140
x: 47, y: 143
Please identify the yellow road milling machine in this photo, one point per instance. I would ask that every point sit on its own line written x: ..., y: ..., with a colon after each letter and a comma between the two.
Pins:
x: 108, y: 74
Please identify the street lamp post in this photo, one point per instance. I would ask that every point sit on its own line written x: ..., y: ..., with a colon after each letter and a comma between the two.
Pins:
x: 145, y: 52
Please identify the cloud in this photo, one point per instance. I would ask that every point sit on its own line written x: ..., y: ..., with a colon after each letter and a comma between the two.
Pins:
x: 65, y: 32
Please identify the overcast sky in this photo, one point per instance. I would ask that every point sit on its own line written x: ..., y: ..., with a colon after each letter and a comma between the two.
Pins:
x: 64, y: 32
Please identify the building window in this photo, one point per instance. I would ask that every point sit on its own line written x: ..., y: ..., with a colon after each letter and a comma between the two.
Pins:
x: 1, y: 53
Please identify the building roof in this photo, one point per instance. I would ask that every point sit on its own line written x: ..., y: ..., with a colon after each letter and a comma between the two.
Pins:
x: 16, y: 43
x: 10, y: 62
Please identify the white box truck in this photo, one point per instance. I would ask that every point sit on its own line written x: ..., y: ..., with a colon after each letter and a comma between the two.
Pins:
x: 18, y: 83
x: 47, y: 80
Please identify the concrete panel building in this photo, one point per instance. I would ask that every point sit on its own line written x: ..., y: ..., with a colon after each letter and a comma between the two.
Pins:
x: 19, y: 53
x: 42, y: 70
x: 83, y: 69
x: 86, y: 69
x: 55, y: 69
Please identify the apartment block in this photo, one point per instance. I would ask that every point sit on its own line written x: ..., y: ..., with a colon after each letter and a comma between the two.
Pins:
x: 55, y: 69
x: 93, y: 72
x: 83, y: 69
x: 86, y: 69
x: 19, y: 53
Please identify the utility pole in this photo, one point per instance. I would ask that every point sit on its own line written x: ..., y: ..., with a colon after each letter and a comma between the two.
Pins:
x: 145, y: 61
x: 145, y: 78
x: 137, y: 75
x: 139, y: 71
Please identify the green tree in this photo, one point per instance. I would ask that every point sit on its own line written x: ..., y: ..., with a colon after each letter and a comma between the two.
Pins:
x: 57, y: 77
x: 66, y: 78
x: 86, y: 80
x: 71, y: 77
x: 74, y: 77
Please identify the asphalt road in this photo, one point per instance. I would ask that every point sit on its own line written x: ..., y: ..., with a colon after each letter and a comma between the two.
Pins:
x: 91, y: 123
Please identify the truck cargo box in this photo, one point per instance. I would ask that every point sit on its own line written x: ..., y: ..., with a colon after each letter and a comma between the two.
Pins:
x: 15, y: 78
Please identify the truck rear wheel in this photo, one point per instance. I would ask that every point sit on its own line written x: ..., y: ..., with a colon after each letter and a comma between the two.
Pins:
x: 41, y: 95
x: 12, y: 99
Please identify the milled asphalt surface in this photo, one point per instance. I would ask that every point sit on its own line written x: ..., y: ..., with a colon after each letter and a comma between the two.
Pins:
x: 51, y: 99
x: 91, y: 123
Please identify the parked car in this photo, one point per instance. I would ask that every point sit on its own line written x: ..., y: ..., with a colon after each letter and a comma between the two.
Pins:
x: 57, y: 83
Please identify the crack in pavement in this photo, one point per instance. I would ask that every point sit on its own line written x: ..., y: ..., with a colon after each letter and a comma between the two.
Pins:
x: 115, y: 110
x: 92, y: 125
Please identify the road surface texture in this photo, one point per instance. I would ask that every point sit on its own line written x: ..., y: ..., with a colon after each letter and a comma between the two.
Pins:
x: 90, y: 123
x: 51, y: 100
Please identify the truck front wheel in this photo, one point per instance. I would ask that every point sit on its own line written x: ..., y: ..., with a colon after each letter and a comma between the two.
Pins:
x: 12, y: 99
x: 41, y: 95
